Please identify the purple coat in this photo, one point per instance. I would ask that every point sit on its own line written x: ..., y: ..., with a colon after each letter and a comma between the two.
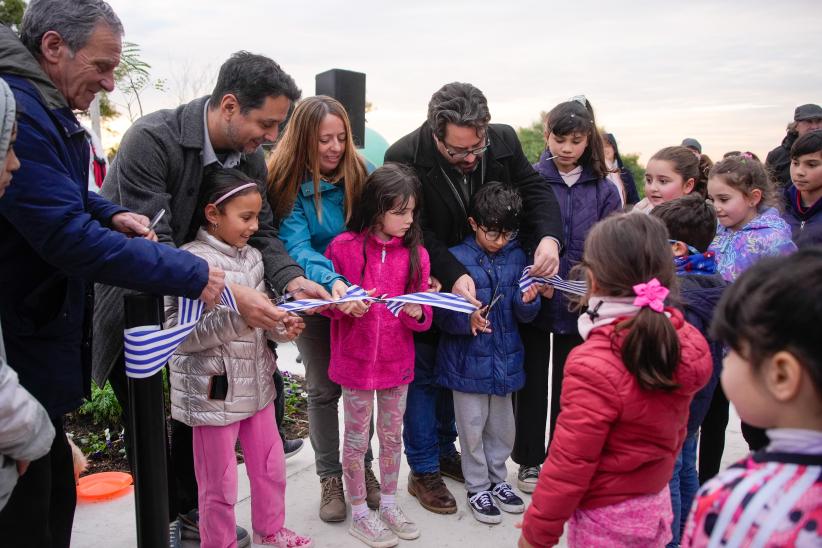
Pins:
x: 589, y: 200
x: 806, y: 226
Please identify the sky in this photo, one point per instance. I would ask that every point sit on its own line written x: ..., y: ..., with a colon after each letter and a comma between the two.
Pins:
x: 726, y: 73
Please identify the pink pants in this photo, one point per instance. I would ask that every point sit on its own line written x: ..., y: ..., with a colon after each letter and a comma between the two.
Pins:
x: 215, y: 465
x: 358, y: 406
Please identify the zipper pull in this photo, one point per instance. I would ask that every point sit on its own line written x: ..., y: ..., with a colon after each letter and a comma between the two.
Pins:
x: 802, y: 226
x: 383, y: 253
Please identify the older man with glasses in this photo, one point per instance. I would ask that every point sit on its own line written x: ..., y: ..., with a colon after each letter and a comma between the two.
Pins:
x: 455, y: 152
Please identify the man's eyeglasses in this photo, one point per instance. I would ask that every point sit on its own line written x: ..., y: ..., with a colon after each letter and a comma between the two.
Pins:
x: 461, y: 154
x: 495, y: 234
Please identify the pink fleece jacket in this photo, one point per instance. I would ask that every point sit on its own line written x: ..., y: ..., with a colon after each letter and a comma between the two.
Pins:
x: 375, y: 351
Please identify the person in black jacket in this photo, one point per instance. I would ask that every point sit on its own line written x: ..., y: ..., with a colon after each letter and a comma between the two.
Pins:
x: 805, y: 118
x: 454, y: 152
x: 619, y: 174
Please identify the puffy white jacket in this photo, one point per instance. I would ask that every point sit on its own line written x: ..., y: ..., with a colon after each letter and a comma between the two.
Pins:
x: 222, y: 343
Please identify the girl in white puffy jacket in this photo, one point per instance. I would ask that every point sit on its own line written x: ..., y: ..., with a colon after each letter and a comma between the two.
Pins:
x: 222, y: 377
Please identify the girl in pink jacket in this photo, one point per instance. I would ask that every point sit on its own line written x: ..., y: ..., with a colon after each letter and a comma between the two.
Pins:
x: 371, y: 349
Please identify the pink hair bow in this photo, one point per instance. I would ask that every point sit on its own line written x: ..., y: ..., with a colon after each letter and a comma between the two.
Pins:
x: 651, y: 294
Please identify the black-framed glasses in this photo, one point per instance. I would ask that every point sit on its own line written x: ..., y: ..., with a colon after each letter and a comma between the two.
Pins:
x: 460, y: 154
x: 495, y: 234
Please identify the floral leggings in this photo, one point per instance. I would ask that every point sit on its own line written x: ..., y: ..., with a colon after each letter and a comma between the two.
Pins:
x: 358, y: 406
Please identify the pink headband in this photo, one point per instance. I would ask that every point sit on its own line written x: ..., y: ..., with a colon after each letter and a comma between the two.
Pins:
x: 651, y: 294
x: 233, y: 192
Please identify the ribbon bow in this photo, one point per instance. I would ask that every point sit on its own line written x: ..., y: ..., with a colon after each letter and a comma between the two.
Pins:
x: 651, y: 294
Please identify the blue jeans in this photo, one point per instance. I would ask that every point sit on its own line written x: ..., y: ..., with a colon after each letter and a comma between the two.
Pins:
x: 429, y: 427
x: 684, y: 486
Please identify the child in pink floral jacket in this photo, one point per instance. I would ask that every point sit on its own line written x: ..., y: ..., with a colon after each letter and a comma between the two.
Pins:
x: 371, y: 349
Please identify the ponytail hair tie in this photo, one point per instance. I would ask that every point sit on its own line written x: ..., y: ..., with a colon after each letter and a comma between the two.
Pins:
x: 651, y: 294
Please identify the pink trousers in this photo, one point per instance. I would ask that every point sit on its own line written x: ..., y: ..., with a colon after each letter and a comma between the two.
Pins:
x: 215, y: 465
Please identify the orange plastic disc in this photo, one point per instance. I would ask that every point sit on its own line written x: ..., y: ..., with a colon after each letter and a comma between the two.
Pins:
x: 103, y: 486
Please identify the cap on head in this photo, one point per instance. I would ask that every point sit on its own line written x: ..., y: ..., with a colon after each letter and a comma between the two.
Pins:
x: 807, y: 112
x: 692, y: 143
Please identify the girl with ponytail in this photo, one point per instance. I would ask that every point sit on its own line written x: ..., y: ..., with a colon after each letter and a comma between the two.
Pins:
x: 625, y: 397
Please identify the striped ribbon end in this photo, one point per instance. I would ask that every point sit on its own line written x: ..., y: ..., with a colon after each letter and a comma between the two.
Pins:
x: 566, y: 286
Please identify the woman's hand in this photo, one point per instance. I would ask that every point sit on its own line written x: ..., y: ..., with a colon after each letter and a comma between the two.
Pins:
x: 413, y: 310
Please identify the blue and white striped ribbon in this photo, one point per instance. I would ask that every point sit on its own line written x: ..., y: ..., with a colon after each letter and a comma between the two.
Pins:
x: 148, y: 348
x: 573, y: 287
x: 354, y: 293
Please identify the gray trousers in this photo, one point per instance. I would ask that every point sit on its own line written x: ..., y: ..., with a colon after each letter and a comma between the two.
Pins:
x: 314, y: 344
x: 485, y: 424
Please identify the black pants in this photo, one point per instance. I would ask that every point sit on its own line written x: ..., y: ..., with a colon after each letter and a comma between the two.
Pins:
x: 712, y: 436
x: 531, y: 402
x: 40, y: 512
x: 563, y: 344
x: 182, y: 481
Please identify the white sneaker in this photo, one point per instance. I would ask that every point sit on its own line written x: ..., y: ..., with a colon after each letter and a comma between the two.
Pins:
x: 397, y: 521
x: 371, y: 530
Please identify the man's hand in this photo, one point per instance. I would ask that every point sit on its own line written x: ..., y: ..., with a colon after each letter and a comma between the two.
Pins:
x: 256, y: 308
x: 133, y: 224
x: 531, y: 293
x: 546, y: 258
x: 434, y: 285
x: 216, y: 282
x: 479, y: 323
x: 465, y: 286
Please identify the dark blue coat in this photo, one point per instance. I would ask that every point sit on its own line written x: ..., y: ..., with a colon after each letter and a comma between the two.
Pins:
x: 806, y: 226
x: 700, y: 295
x: 54, y: 241
x: 490, y: 363
x: 589, y: 200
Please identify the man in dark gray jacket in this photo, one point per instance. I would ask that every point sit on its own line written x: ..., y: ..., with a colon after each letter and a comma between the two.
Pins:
x: 160, y: 165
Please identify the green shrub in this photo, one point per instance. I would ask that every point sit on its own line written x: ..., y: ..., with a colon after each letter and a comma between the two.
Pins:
x: 103, y: 407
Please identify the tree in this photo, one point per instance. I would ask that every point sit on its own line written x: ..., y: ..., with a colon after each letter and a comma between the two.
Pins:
x: 11, y: 13
x: 132, y: 77
x: 532, y: 140
x: 631, y: 162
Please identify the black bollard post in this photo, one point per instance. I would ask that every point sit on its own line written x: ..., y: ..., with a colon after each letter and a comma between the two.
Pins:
x: 148, y: 424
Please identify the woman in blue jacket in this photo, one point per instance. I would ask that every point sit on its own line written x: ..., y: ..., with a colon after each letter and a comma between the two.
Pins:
x: 315, y: 178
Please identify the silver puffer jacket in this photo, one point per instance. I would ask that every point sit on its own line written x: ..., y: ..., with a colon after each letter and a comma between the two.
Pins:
x: 222, y: 343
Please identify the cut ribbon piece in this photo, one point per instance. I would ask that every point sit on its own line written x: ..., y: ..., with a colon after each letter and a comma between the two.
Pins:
x: 651, y: 294
x: 567, y: 286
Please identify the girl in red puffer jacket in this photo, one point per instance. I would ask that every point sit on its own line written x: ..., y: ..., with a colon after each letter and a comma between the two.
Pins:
x: 625, y: 398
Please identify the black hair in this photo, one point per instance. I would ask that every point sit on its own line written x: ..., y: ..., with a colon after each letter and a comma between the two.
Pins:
x: 216, y: 183
x: 612, y: 141
x: 496, y: 206
x: 775, y: 306
x: 574, y: 117
x: 690, y: 219
x: 387, y: 185
x: 810, y: 143
x: 251, y: 79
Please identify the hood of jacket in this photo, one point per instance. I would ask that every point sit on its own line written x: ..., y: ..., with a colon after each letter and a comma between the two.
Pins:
x: 16, y: 59
x: 700, y: 295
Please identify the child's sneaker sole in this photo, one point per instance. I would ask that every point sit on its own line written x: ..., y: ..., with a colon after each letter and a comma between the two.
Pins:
x: 510, y: 508
x: 482, y: 518
x: 374, y: 543
x: 526, y: 486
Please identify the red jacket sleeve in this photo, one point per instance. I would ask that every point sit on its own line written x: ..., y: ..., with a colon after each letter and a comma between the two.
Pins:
x: 589, y: 408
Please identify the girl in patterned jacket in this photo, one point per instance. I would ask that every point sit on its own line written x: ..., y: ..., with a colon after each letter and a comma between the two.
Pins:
x: 770, y: 318
x: 749, y: 225
x: 222, y: 381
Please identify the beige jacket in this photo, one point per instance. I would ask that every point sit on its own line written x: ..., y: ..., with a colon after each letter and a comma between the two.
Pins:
x: 222, y: 343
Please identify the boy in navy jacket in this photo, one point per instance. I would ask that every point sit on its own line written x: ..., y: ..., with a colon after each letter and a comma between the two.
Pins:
x: 480, y: 357
x: 691, y: 223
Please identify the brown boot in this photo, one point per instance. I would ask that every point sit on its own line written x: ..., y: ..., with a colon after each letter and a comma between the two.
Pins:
x: 432, y: 493
x: 372, y: 489
x: 332, y: 500
x: 451, y: 467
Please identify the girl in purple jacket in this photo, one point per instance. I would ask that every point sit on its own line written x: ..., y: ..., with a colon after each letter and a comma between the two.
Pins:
x: 372, y: 351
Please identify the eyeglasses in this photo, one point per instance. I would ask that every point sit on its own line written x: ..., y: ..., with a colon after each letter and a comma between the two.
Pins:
x: 495, y: 234
x: 459, y: 155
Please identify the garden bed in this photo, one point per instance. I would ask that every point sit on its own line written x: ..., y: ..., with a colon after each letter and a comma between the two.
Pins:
x: 96, y: 428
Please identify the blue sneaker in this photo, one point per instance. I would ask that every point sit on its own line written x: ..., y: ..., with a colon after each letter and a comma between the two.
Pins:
x: 190, y: 528
x: 507, y: 499
x: 483, y: 507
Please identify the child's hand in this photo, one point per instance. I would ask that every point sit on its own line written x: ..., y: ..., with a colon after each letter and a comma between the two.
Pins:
x: 522, y: 543
x: 530, y: 293
x: 480, y: 324
x: 413, y: 310
x: 546, y: 291
x: 356, y: 309
x: 434, y: 285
